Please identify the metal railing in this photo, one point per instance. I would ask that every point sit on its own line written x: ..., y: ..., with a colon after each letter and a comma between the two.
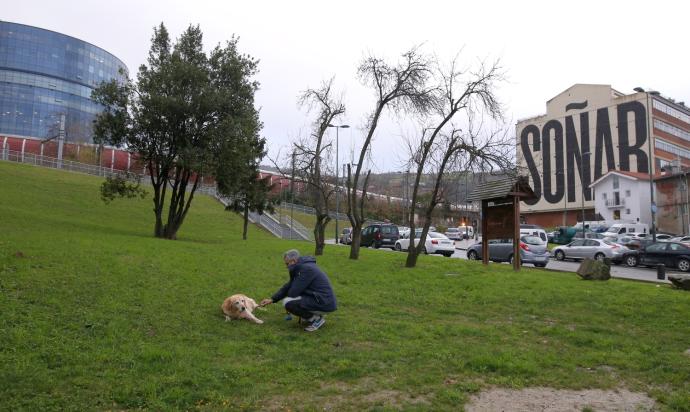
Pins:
x: 77, y: 167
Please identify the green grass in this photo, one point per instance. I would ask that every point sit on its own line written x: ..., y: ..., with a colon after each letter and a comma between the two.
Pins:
x: 96, y: 314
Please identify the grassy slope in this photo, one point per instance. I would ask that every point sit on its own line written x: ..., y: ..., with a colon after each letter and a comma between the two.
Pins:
x: 97, y: 314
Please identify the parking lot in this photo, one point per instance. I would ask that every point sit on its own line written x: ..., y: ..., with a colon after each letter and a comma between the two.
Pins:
x: 617, y: 271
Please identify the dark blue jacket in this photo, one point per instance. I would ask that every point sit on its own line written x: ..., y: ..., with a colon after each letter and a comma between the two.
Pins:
x: 309, y: 282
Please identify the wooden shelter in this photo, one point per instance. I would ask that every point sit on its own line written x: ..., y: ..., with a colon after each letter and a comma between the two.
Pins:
x: 500, y: 212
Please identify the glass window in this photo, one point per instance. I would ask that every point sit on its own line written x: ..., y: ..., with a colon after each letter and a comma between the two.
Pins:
x: 656, y: 247
x: 627, y: 193
x: 615, y: 182
x: 677, y: 247
x: 577, y: 242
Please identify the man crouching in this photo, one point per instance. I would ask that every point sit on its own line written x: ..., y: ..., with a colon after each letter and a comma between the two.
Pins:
x: 308, y: 294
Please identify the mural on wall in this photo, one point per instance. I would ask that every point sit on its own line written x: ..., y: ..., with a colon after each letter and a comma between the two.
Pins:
x: 582, y: 142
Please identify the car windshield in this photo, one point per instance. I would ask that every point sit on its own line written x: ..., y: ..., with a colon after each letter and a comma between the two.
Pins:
x: 435, y: 235
x: 532, y: 240
x: 453, y: 229
x: 607, y: 242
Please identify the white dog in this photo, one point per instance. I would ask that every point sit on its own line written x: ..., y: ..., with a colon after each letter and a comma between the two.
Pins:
x: 240, y: 307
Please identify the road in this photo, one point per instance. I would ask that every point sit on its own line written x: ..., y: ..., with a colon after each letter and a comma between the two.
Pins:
x: 617, y: 271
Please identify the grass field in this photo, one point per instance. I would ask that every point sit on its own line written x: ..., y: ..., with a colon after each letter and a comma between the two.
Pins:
x: 96, y: 314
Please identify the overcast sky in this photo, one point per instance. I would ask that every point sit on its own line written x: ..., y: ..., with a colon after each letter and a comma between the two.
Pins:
x: 545, y: 47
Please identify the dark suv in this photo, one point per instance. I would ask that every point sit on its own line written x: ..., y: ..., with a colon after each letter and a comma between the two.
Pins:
x: 380, y: 235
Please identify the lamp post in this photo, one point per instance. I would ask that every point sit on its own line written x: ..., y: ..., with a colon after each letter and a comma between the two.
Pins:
x: 582, y: 183
x: 337, y: 187
x: 651, y: 156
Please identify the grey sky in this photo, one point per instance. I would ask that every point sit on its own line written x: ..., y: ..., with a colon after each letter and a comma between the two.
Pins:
x: 545, y: 47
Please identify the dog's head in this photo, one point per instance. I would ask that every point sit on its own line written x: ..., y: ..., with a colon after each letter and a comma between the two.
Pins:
x: 239, y: 305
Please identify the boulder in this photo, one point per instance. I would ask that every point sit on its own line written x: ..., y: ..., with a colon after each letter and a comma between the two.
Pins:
x: 680, y: 281
x: 591, y: 269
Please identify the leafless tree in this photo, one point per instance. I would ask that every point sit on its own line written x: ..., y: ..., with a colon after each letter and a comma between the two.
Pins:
x: 402, y: 87
x: 473, y: 150
x: 461, y: 92
x: 310, y: 153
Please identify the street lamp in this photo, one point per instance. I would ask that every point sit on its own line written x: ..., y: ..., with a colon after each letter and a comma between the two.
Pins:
x: 582, y: 183
x: 337, y: 188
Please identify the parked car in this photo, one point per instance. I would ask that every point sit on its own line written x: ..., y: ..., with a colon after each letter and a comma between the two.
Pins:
x: 634, y: 244
x: 346, y: 236
x: 626, y: 228
x: 671, y: 254
x: 533, y: 230
x: 663, y: 236
x: 532, y: 250
x: 453, y: 233
x: 594, y: 249
x: 435, y: 243
x: 681, y: 239
x: 466, y: 231
x: 380, y: 235
x: 589, y: 235
x: 551, y: 235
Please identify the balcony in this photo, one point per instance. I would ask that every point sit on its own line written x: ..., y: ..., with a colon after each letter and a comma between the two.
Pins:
x: 615, y: 203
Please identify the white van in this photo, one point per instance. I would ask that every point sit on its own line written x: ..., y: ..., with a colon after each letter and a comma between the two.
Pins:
x: 620, y: 229
x: 467, y: 232
x: 534, y: 230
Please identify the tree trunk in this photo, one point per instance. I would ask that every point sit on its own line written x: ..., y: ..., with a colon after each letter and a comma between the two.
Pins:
x: 320, y: 234
x: 246, y: 221
x: 356, y: 239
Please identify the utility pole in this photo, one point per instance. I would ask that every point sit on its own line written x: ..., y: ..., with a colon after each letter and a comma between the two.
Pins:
x: 292, y: 191
x: 337, y: 187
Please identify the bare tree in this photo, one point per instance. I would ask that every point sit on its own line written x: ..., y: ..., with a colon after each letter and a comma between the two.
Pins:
x: 457, y: 151
x: 310, y: 154
x: 400, y: 87
x: 461, y: 91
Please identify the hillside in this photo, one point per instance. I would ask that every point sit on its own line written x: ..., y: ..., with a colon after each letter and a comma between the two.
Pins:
x: 98, y: 314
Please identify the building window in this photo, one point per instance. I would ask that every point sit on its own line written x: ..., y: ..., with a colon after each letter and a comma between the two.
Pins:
x: 616, y: 198
x: 603, y: 196
x: 671, y: 111
x: 627, y: 193
x: 627, y: 211
x: 615, y: 182
x: 671, y: 148
x: 670, y: 129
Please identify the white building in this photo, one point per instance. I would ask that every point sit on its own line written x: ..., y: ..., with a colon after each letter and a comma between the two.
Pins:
x: 622, y: 195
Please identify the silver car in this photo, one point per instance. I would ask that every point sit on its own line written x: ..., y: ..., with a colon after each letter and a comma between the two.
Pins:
x: 592, y: 249
x: 532, y: 250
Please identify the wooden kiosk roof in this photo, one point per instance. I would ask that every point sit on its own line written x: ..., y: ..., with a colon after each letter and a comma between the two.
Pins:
x: 502, y: 188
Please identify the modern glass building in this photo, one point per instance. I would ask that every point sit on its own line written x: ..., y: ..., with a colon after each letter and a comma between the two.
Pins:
x: 44, y: 75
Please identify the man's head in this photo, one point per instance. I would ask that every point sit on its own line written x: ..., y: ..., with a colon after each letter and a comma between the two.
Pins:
x: 291, y: 257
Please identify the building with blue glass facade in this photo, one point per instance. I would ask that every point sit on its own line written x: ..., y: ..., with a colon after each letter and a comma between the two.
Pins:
x: 44, y: 75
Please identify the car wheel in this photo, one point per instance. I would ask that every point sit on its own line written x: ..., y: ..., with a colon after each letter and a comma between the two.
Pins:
x: 448, y: 255
x: 560, y: 255
x: 540, y: 265
x: 424, y: 251
x: 472, y: 255
x: 398, y: 247
x: 684, y: 265
x: 631, y: 260
x: 376, y: 245
x: 600, y: 257
x: 510, y: 259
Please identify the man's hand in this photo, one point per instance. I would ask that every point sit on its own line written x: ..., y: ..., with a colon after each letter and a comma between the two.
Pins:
x: 266, y: 301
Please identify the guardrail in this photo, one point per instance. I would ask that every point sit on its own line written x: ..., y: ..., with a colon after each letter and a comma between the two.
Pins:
x: 72, y: 166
